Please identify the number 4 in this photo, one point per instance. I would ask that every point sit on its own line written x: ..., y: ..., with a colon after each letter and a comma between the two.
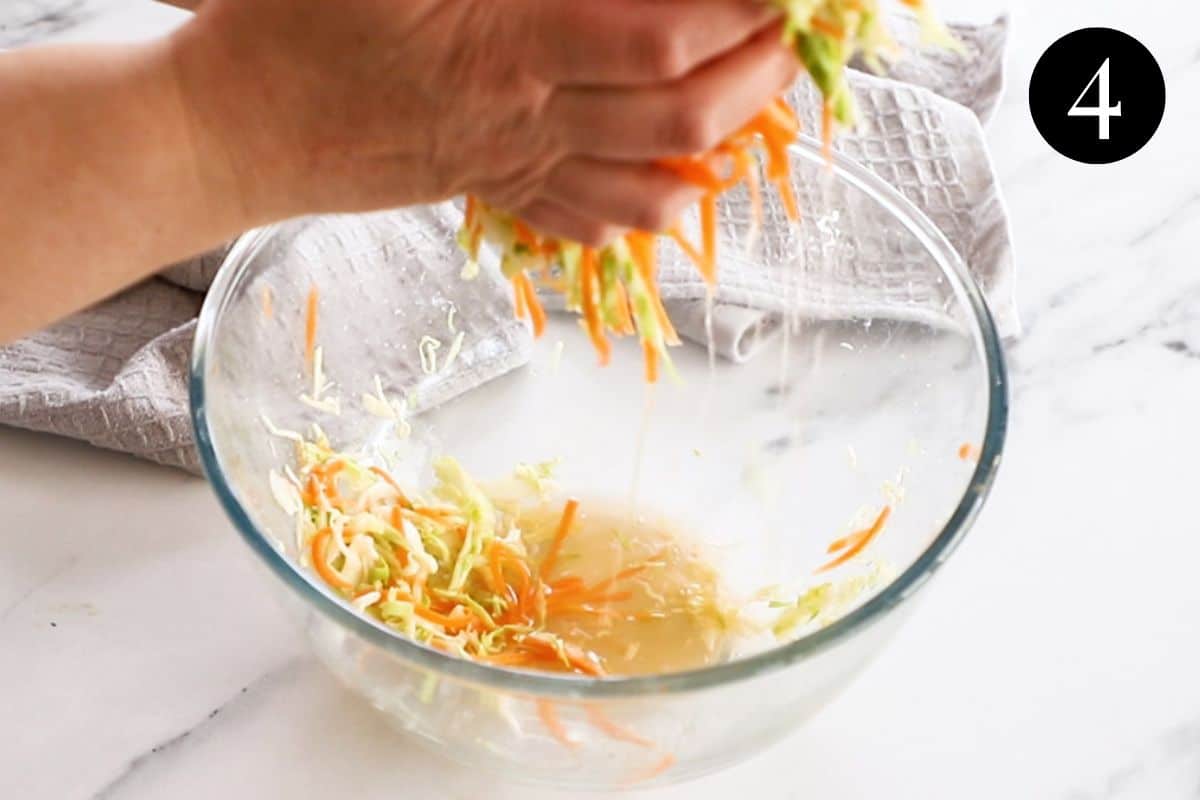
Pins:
x: 1104, y: 112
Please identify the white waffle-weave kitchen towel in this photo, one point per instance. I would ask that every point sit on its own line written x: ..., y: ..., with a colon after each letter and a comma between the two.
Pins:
x: 115, y: 375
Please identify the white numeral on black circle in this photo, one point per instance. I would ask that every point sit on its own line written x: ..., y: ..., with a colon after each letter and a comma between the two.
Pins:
x: 1102, y: 111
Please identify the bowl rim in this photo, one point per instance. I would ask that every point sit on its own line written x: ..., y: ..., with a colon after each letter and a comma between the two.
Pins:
x: 901, y: 588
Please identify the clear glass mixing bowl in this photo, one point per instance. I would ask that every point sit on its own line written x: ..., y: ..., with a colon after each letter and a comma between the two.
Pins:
x: 768, y: 460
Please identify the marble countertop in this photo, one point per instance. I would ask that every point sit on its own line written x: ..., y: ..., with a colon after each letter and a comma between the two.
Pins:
x: 1055, y: 657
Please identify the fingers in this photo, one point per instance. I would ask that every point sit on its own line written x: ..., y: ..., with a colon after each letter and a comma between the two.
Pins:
x: 638, y: 196
x: 558, y: 220
x: 682, y: 117
x: 628, y: 42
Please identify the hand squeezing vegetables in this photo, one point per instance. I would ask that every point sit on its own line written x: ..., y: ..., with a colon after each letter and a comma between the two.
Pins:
x: 615, y: 288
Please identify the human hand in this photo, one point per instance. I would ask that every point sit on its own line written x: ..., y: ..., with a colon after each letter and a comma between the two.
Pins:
x: 555, y: 110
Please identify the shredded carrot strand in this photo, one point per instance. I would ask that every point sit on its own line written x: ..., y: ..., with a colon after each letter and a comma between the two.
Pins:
x: 708, y: 229
x: 390, y: 481
x: 655, y: 771
x: 577, y: 658
x: 784, y: 187
x: 605, y: 725
x: 268, y: 307
x: 689, y: 250
x: 525, y: 236
x: 548, y: 714
x: 310, y: 325
x: 560, y: 536
x: 496, y: 575
x: 312, y: 491
x: 967, y: 452
x: 857, y: 542
x: 319, y: 542
x: 641, y: 247
x: 645, y: 256
x: 591, y: 314
x: 846, y: 541
x: 651, y: 359
x: 778, y: 163
x: 472, y: 212
x: 828, y: 28
x: 827, y: 131
x: 784, y: 117
x: 695, y: 171
x: 567, y: 583
x: 537, y: 314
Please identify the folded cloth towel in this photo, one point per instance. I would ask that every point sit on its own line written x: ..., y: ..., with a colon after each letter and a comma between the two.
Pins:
x: 115, y: 374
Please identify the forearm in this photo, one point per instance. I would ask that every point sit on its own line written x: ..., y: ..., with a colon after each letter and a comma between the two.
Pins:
x: 103, y: 179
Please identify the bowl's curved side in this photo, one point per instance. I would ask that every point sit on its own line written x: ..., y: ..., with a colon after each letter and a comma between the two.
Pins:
x: 874, y: 610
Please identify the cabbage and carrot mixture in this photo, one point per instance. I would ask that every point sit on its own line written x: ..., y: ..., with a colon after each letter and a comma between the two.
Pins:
x: 615, y: 288
x: 510, y: 576
x: 485, y: 575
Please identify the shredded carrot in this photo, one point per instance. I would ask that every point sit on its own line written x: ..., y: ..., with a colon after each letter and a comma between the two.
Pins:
x: 451, y: 625
x: 436, y: 514
x: 525, y: 236
x: 548, y: 714
x: 576, y: 658
x: 827, y: 131
x: 828, y: 28
x: 319, y: 541
x: 560, y: 536
x: 387, y: 478
x: 655, y: 771
x: 692, y: 253
x: 708, y: 229
x: 268, y: 307
x: 778, y: 164
x: 651, y: 357
x: 591, y: 314
x: 472, y: 212
x: 642, y: 247
x: 509, y: 658
x: 695, y: 171
x: 567, y: 583
x: 312, y: 491
x: 784, y: 117
x: 967, y: 452
x: 328, y: 469
x: 784, y: 187
x: 537, y: 314
x: 857, y: 542
x: 496, y: 574
x: 604, y: 724
x: 310, y: 325
x: 511, y: 559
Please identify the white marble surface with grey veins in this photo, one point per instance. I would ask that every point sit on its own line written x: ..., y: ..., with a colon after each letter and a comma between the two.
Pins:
x: 1056, y: 657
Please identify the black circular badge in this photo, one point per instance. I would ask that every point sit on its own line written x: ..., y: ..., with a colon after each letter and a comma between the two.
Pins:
x: 1097, y: 95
